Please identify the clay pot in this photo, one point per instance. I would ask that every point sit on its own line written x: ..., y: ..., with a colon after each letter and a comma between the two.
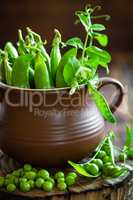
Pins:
x: 49, y: 127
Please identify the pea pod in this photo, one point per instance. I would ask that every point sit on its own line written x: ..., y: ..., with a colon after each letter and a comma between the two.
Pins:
x: 8, y: 71
x: 11, y: 51
x: 60, y: 82
x: 55, y: 55
x: 2, y: 68
x: 42, y: 80
x: 40, y: 46
x: 20, y: 72
x: 22, y: 49
x: 81, y: 168
x: 102, y: 104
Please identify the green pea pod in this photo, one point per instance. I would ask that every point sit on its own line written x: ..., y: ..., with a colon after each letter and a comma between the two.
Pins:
x: 55, y: 55
x: 80, y: 168
x: 8, y: 71
x: 21, y: 44
x: 60, y: 82
x: 11, y: 51
x: 40, y: 46
x: 42, y: 80
x: 2, y: 68
x: 102, y: 104
x: 20, y: 72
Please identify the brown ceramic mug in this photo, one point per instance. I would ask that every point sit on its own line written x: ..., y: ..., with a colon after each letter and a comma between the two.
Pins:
x: 48, y: 127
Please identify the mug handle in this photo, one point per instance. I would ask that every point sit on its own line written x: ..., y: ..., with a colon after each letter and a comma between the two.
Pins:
x: 120, y: 91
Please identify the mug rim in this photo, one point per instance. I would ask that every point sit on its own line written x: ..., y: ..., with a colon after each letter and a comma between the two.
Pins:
x: 51, y: 90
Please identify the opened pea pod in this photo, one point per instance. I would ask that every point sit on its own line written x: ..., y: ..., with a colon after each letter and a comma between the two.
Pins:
x: 102, y: 163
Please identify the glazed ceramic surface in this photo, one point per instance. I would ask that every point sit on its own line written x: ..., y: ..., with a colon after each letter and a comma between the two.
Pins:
x: 49, y: 127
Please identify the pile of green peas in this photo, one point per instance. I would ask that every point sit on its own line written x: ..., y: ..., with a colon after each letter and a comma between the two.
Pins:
x: 28, y: 178
x: 103, y: 164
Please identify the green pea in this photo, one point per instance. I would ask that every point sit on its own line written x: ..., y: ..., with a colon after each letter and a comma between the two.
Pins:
x: 62, y: 186
x: 108, y: 170
x: 47, y: 186
x: 117, y: 171
x: 11, y: 188
x: 16, y: 173
x: 60, y: 180
x: 72, y: 174
x: 70, y: 180
x: 25, y: 187
x: 101, y: 154
x: 92, y: 169
x: 16, y: 181
x: 2, y: 181
x: 32, y: 184
x: 39, y: 182
x: 23, y: 180
x: 30, y: 175
x: 52, y: 180
x: 27, y: 167
x: 98, y: 162
x: 106, y: 159
x: 43, y: 174
x: 59, y: 174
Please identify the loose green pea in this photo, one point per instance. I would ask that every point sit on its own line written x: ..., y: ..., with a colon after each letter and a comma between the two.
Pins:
x: 62, y: 186
x: 60, y: 180
x: 47, y: 186
x: 43, y: 174
x: 30, y: 175
x: 16, y: 173
x: 25, y: 187
x: 2, y: 180
x: 59, y: 174
x: 32, y: 184
x: 117, y: 171
x: 39, y: 182
x: 52, y: 180
x: 27, y: 167
x: 23, y: 180
x: 70, y: 180
x: 11, y: 188
x: 72, y: 174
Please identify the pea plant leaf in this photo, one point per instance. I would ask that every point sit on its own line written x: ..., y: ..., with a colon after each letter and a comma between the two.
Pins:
x: 102, y: 54
x: 70, y: 70
x: 98, y: 27
x: 84, y: 19
x: 75, y: 42
x: 102, y: 39
x: 101, y: 104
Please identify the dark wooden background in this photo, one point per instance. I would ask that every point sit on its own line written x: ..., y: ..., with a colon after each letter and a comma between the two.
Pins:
x: 44, y: 15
